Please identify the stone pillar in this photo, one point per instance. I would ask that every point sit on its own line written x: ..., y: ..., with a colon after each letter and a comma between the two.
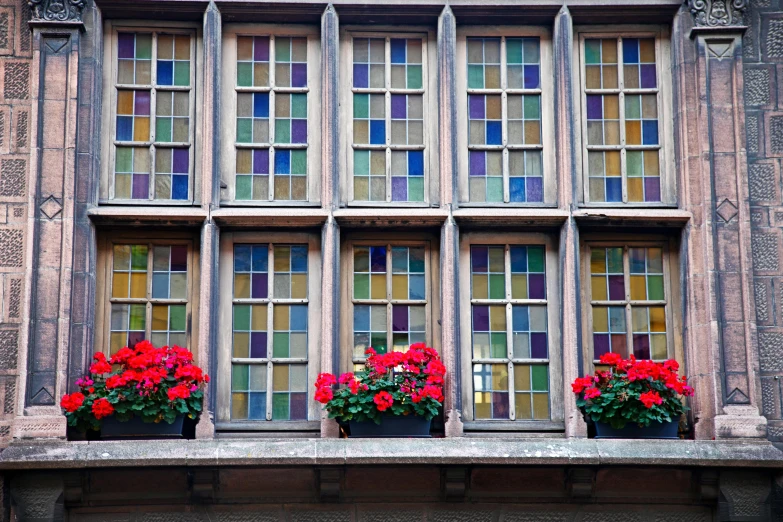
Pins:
x: 721, y: 322
x: 745, y: 496
x: 37, y: 497
x: 49, y: 252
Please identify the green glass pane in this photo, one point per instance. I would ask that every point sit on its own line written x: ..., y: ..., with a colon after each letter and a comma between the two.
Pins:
x: 245, y: 74
x: 177, y: 318
x: 244, y: 130
x: 633, y: 163
x: 280, y: 410
x: 498, y: 345
x: 540, y: 377
x: 163, y: 129
x: 143, y: 46
x: 283, y: 50
x: 497, y: 286
x: 655, y: 288
x: 298, y: 161
x: 416, y: 189
x: 361, y: 286
x: 240, y: 377
x: 414, y: 77
x: 633, y: 107
x: 615, y: 258
x: 361, y: 105
x: 592, y: 51
x: 535, y: 259
x: 495, y: 189
x: 139, y: 257
x: 181, y: 73
x: 514, y: 51
x: 475, y: 76
x: 532, y: 107
x: 532, y: 51
x: 244, y: 187
x: 280, y: 345
x: 242, y: 318
x: 123, y: 159
x: 282, y: 131
x: 299, y: 106
x: 361, y: 162
x: 378, y: 342
x: 138, y: 316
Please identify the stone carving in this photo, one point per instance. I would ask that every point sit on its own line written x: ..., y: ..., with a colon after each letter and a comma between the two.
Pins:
x: 15, y: 299
x: 11, y: 247
x: 774, y: 41
x: 776, y: 134
x: 22, y: 124
x: 765, y: 252
x: 57, y: 10
x: 463, y: 515
x: 10, y: 396
x: 391, y: 516
x: 775, y: 432
x: 51, y: 207
x: 619, y: 516
x: 762, y: 303
x: 761, y: 181
x: 768, y: 397
x: 13, y: 175
x: 757, y: 86
x: 771, y: 351
x: 718, y: 13
x: 536, y: 516
x: 25, y: 34
x: 727, y: 210
x: 752, y: 133
x: 744, y: 496
x: 17, y: 81
x: 9, y: 346
x: 18, y: 212
x: 321, y: 516
x: 170, y: 517
x: 687, y: 516
x: 249, y: 516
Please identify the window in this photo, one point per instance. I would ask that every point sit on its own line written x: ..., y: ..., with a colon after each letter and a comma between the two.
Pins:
x: 512, y: 346
x: 272, y: 84
x: 506, y: 94
x: 148, y: 293
x: 625, y: 130
x: 390, y: 140
x: 152, y: 95
x: 269, y: 326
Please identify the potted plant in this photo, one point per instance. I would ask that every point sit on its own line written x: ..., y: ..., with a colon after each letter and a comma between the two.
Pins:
x: 633, y: 399
x: 396, y: 395
x: 139, y: 392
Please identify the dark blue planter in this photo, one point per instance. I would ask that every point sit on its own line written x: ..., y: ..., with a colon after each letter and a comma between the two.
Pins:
x: 656, y: 430
x: 394, y: 426
x: 137, y: 428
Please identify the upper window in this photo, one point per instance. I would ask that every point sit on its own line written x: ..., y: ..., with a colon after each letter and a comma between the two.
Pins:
x: 507, y: 89
x: 153, y: 99
x: 390, y: 150
x: 624, y: 131
x: 273, y: 94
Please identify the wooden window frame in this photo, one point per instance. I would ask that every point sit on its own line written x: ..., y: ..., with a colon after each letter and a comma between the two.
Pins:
x: 228, y: 117
x: 106, y: 241
x: 552, y: 267
x: 429, y: 93
x: 348, y: 360
x: 546, y: 90
x: 225, y: 330
x: 671, y: 275
x: 662, y: 37
x: 109, y: 101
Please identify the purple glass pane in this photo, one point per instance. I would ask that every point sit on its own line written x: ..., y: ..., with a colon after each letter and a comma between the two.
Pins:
x: 261, y: 49
x: 480, y: 318
x: 180, y: 161
x: 298, y: 131
x: 616, y: 288
x: 641, y: 346
x: 360, y: 74
x: 260, y: 286
x: 594, y: 107
x: 538, y: 345
x: 476, y: 104
x: 179, y: 258
x: 134, y: 338
x: 299, y: 75
x: 399, y: 318
x: 477, y: 164
x: 532, y: 76
x: 261, y: 161
x: 399, y: 189
x: 600, y: 345
x: 141, y: 186
x: 126, y: 45
x: 479, y: 259
x: 652, y: 189
x: 378, y: 259
x: 535, y: 189
x: 500, y: 405
x: 648, y: 76
x: 398, y: 103
x: 619, y: 342
x: 142, y: 106
x: 258, y: 345
x: 298, y: 406
x: 536, y: 286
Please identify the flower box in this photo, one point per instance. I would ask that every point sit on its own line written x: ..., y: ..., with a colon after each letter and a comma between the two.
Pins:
x: 137, y: 428
x: 656, y: 430
x: 393, y: 426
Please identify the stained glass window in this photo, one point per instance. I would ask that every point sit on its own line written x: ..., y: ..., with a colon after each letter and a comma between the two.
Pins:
x: 389, y: 296
x: 629, y: 301
x: 149, y: 295
x: 154, y: 114
x: 509, y: 344
x: 622, y: 105
x: 269, y: 332
x: 389, y: 151
x: 271, y: 128
x: 505, y: 147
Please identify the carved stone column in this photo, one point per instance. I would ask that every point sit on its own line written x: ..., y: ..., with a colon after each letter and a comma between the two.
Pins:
x: 37, y: 497
x: 745, y: 496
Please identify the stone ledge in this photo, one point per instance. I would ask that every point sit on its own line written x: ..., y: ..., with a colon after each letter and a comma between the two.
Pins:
x: 337, y: 452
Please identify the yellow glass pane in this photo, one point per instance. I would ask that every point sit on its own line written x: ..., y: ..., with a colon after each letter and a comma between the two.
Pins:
x: 610, y: 77
x: 280, y: 317
x: 361, y: 131
x: 492, y: 73
x: 598, y: 285
x: 483, y: 405
x: 532, y: 133
x: 141, y: 128
x: 638, y: 287
x: 298, y: 286
x: 497, y: 318
x: 119, y: 284
x: 611, y: 107
x: 244, y: 161
x: 633, y: 132
x: 258, y: 318
x: 138, y: 285
x: 480, y: 286
x: 241, y: 286
x: 647, y: 50
x: 593, y: 76
x: 182, y: 48
x: 282, y: 259
x: 280, y: 378
x: 612, y: 132
x: 261, y: 74
x: 651, y: 163
x: 378, y: 286
x: 244, y: 48
x: 600, y: 319
x: 598, y: 261
x: 657, y: 319
x: 239, y: 406
x: 522, y: 405
x: 125, y: 102
x: 540, y: 406
x: 658, y: 347
x: 612, y: 163
x: 519, y: 286
x: 639, y: 318
x: 399, y: 286
x: 160, y: 318
x: 494, y: 107
x: 609, y: 51
x: 117, y: 342
x: 522, y: 377
x: 499, y: 377
x: 241, y: 343
x: 635, y: 189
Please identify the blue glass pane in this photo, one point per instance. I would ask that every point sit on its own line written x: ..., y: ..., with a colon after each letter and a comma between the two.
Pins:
x: 378, y: 259
x: 125, y: 128
x: 521, y: 319
x: 416, y: 288
x: 614, y: 190
x: 630, y: 50
x: 299, y: 318
x: 165, y: 73
x: 360, y: 75
x: 160, y: 286
x: 299, y: 259
x: 179, y: 187
x: 257, y: 406
x: 416, y: 163
x: 518, y: 259
x: 649, y: 132
x: 282, y: 162
x: 260, y: 258
x: 397, y: 50
x: 377, y: 132
x: 516, y: 188
x: 242, y: 258
x: 261, y: 105
x: 494, y: 133
x: 532, y: 76
x: 361, y: 318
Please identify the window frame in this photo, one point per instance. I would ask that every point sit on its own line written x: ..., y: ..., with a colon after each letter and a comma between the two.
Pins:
x: 106, y: 241
x: 224, y: 357
x: 431, y: 281
x: 429, y: 93
x: 228, y: 116
x: 546, y: 90
x: 109, y: 103
x: 671, y: 274
x: 662, y: 36
x: 556, y: 421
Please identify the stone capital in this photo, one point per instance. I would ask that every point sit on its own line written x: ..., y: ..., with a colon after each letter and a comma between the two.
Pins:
x: 56, y: 12
x: 718, y: 15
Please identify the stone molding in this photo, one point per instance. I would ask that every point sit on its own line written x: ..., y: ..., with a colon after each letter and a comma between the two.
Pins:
x: 56, y: 11
x: 718, y: 14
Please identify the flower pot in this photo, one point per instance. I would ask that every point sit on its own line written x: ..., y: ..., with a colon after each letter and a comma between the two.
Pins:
x: 137, y: 428
x: 656, y: 430
x: 394, y: 426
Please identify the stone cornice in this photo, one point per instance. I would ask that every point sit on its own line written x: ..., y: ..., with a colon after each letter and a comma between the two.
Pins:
x: 56, y: 12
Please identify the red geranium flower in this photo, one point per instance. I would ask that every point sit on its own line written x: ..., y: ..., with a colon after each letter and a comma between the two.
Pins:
x: 649, y: 398
x: 383, y: 400
x: 102, y: 408
x: 72, y: 402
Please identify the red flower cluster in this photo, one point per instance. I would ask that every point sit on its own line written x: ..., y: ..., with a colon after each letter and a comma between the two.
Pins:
x: 383, y: 400
x: 649, y: 398
x: 102, y: 408
x: 323, y: 387
x: 72, y: 402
